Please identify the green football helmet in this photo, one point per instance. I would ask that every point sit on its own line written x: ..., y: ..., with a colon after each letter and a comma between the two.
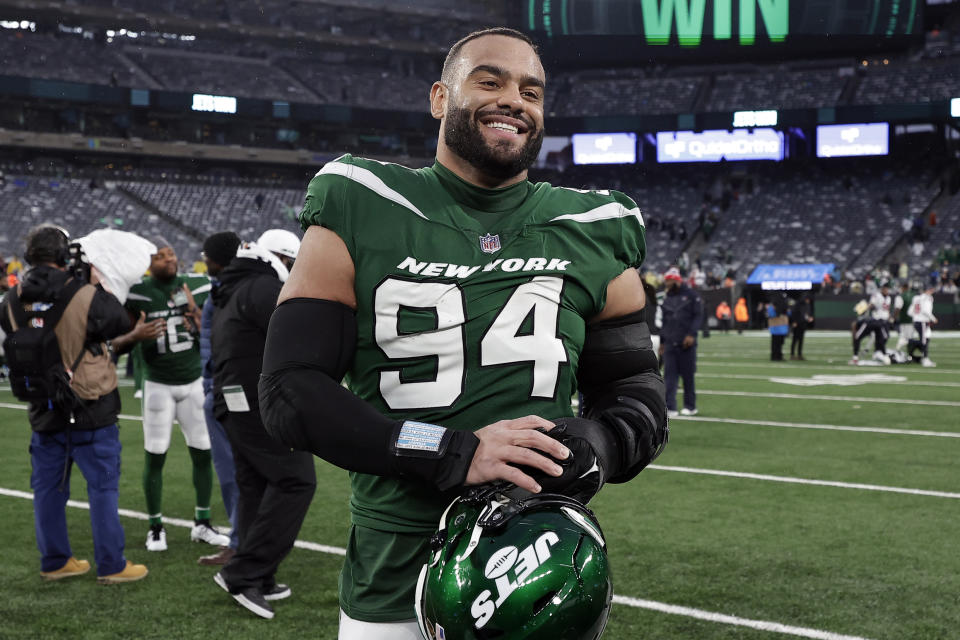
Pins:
x: 510, y: 567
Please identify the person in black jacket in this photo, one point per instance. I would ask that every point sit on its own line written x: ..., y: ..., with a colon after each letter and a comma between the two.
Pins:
x: 801, y: 317
x: 276, y: 484
x: 83, y: 431
x: 682, y: 312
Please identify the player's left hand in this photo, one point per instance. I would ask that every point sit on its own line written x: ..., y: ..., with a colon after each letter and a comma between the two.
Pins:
x: 193, y: 315
x: 688, y: 341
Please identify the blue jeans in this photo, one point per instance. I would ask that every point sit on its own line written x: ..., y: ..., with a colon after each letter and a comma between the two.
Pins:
x: 223, y: 463
x: 682, y: 363
x: 97, y: 454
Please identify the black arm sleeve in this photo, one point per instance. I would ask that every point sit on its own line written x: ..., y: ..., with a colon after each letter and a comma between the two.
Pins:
x: 107, y: 318
x: 623, y: 392
x: 310, y: 345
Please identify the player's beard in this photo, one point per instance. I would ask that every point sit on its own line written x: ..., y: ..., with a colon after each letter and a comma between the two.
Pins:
x: 463, y: 136
x: 165, y: 274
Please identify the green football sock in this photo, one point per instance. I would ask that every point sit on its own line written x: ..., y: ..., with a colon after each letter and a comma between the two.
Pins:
x: 202, y: 479
x: 153, y: 484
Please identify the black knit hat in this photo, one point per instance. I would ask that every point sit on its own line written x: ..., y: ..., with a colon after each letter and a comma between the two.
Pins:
x: 221, y: 247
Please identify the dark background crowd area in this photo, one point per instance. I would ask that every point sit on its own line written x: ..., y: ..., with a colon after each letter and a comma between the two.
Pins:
x: 893, y: 218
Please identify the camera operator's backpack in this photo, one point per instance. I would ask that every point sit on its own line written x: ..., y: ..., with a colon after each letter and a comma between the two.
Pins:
x: 33, y: 354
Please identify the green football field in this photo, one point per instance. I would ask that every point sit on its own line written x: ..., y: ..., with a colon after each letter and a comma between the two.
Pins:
x: 807, y: 500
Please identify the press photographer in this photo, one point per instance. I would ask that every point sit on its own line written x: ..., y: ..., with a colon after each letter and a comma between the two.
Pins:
x: 58, y: 326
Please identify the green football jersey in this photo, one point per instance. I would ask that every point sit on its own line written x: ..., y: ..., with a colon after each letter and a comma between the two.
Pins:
x: 471, y: 302
x: 174, y: 357
x: 903, y: 317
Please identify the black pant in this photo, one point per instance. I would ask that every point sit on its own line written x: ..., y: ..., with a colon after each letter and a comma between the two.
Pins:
x: 863, y: 328
x: 776, y: 346
x: 922, y: 341
x: 276, y: 486
x: 680, y: 363
x: 796, y: 344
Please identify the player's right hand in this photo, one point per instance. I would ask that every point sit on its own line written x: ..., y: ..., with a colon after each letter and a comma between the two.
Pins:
x: 144, y: 330
x: 520, y: 441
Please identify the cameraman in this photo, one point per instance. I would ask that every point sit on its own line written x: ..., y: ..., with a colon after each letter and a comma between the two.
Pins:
x: 82, y: 426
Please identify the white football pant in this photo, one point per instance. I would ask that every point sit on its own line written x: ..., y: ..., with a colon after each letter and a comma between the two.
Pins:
x: 163, y: 402
x: 351, y: 629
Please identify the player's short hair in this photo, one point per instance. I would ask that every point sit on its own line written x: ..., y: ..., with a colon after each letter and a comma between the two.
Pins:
x: 492, y: 31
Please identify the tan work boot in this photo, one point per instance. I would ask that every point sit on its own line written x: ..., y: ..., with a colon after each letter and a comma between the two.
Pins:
x: 73, y: 567
x: 131, y: 573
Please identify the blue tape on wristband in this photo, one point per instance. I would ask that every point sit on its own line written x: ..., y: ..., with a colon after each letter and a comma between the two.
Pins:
x: 420, y: 436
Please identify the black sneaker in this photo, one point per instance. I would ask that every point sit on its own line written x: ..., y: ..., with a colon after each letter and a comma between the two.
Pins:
x: 251, y: 599
x: 221, y: 582
x: 276, y: 592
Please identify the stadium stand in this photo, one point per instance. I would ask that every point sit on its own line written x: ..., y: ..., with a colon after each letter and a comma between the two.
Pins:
x: 29, y: 200
x: 800, y: 211
x: 219, y: 74
x: 847, y: 213
x: 923, y: 80
x: 62, y: 57
x: 778, y: 88
x: 623, y: 91
x: 209, y: 208
x: 360, y: 85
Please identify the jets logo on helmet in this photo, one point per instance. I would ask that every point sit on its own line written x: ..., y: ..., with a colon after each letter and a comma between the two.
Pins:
x: 514, y: 567
x: 522, y: 563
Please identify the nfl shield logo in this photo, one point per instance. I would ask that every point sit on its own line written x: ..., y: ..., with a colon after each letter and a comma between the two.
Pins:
x: 489, y: 243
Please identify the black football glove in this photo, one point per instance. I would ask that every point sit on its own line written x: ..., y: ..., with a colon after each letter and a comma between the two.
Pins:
x: 583, y: 472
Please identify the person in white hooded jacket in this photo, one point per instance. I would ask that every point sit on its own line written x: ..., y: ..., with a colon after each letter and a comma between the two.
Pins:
x: 921, y: 310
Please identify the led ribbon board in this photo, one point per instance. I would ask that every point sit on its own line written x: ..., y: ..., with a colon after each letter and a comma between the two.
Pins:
x: 789, y: 277
x: 218, y: 104
x: 844, y: 140
x: 714, y: 146
x: 616, y: 30
x: 604, y: 148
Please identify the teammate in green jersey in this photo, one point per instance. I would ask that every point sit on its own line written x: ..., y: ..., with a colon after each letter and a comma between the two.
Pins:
x: 172, y: 387
x: 466, y: 305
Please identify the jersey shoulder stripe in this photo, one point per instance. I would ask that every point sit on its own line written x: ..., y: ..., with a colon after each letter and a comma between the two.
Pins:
x: 367, y: 178
x: 603, y: 212
x: 138, y: 296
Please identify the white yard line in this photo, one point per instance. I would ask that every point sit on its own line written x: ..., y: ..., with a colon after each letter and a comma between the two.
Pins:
x: 899, y: 383
x: 23, y: 407
x: 819, y: 483
x: 709, y: 616
x: 813, y: 335
x: 811, y: 366
x: 805, y: 396
x: 824, y: 427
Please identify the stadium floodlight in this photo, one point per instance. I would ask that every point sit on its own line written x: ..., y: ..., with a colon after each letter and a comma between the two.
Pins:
x: 604, y: 148
x: 844, y: 140
x: 766, y: 118
x: 219, y: 104
x: 955, y: 107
